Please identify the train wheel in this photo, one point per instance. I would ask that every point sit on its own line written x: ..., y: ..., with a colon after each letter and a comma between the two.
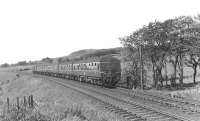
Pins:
x: 92, y: 81
x: 80, y: 78
x: 66, y: 76
x: 76, y: 78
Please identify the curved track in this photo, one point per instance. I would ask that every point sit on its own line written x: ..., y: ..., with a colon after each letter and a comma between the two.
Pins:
x: 187, y: 106
x: 130, y: 110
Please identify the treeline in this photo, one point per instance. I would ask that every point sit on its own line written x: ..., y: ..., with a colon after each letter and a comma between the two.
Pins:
x: 20, y: 63
x: 174, y: 41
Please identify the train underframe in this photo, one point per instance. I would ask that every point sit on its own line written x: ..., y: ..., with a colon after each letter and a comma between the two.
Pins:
x: 100, y: 81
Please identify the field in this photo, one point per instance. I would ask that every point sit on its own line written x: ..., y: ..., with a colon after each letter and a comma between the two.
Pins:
x: 53, y: 100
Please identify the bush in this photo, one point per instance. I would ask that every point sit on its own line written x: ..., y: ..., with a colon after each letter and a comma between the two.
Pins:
x: 5, y: 65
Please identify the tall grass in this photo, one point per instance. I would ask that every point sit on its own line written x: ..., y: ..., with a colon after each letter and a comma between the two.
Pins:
x: 73, y: 113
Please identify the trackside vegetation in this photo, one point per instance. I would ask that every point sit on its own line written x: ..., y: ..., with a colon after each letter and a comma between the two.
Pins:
x: 173, y: 43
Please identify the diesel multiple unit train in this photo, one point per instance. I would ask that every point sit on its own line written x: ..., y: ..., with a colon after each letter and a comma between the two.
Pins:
x: 104, y: 71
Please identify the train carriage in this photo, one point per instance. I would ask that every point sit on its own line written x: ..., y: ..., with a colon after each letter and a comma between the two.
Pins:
x: 104, y: 71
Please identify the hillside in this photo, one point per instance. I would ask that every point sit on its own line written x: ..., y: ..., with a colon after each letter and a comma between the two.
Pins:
x: 79, y: 53
x: 86, y: 53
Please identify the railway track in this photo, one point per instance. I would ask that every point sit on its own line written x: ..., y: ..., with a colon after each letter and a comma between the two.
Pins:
x: 183, y: 106
x: 128, y: 109
x: 187, y: 106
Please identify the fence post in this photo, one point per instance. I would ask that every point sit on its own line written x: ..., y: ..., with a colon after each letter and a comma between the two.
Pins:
x: 8, y: 103
x: 31, y: 101
x: 18, y: 103
x: 24, y: 101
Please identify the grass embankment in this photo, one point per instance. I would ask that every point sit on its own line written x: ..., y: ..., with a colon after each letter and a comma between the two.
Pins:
x: 55, y: 103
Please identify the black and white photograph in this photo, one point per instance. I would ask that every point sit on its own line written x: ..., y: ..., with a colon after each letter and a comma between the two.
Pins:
x: 99, y: 60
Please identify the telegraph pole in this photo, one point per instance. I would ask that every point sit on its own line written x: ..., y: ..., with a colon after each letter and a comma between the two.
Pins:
x: 141, y: 67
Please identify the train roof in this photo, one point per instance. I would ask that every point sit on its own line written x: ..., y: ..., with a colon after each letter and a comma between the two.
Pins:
x: 94, y: 59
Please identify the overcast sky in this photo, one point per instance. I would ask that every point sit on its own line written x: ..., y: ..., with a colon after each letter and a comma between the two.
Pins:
x: 34, y: 29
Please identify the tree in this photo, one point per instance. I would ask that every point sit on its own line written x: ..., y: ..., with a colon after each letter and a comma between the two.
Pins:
x: 131, y: 67
x: 21, y: 63
x: 167, y: 42
x: 156, y: 48
x: 193, y: 57
x: 153, y: 40
x: 131, y: 44
x: 182, y: 41
x: 47, y: 60
x: 60, y: 60
x: 5, y: 65
x: 193, y: 61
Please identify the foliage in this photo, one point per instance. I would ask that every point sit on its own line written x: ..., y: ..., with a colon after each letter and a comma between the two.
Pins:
x: 5, y: 65
x: 73, y: 113
x: 23, y: 114
x: 47, y: 60
x: 21, y: 63
x: 166, y: 42
x: 62, y: 60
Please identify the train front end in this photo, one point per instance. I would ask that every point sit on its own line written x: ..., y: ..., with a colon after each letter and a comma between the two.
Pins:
x: 110, y: 69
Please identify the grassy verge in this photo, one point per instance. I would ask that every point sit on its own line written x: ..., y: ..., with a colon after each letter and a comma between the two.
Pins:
x: 73, y: 113
x: 55, y: 102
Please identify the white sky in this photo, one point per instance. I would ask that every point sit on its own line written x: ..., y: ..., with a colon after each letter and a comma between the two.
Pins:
x: 34, y: 29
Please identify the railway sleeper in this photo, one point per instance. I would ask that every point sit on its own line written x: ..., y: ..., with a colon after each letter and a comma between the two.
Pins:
x: 150, y: 115
x: 137, y: 120
x: 165, y: 119
x: 133, y: 118
x: 142, y: 113
x: 136, y: 107
x: 109, y: 108
x: 128, y: 115
x: 140, y: 110
x: 125, y: 112
x: 119, y: 111
x: 122, y: 113
x: 156, y: 118
x: 113, y: 110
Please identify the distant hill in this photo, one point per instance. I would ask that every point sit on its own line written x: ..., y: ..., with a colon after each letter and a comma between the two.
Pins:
x: 87, y: 53
x: 80, y: 53
x: 102, y: 52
